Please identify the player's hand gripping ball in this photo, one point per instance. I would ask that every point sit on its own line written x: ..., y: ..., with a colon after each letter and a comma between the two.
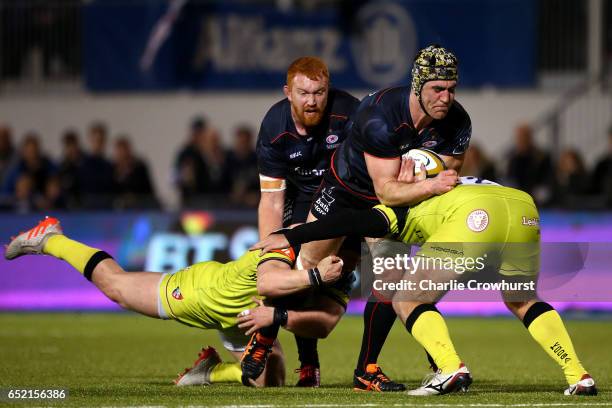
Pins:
x: 430, y: 160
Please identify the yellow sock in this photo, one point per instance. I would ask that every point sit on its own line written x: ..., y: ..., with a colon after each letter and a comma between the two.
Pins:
x: 550, y: 333
x: 226, y: 372
x: 430, y: 330
x: 73, y: 252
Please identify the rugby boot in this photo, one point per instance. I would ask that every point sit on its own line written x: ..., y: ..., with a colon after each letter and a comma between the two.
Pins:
x: 255, y: 357
x: 310, y: 376
x: 375, y: 380
x: 199, y: 373
x: 33, y: 241
x: 439, y: 383
x: 586, y: 386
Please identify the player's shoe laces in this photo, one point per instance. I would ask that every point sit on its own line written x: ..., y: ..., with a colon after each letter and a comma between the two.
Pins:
x: 438, y: 383
x: 199, y: 373
x: 33, y: 240
x: 375, y: 380
x: 586, y: 386
x: 310, y: 376
x: 254, y: 358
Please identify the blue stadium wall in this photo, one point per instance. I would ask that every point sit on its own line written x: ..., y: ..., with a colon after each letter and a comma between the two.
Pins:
x: 224, y: 45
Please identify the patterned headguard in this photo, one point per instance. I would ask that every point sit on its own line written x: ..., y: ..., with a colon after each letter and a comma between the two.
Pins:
x: 433, y: 63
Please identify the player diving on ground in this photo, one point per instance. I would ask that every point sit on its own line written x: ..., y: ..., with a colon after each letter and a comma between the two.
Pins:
x: 207, y: 295
x: 475, y: 216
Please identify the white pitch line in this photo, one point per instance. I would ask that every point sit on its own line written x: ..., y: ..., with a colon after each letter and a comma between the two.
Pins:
x: 407, y: 405
x: 474, y: 405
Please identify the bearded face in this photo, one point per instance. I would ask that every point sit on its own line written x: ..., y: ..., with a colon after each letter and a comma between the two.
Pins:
x: 308, y: 99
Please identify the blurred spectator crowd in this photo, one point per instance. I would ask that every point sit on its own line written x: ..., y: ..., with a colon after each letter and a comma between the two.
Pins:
x: 566, y: 183
x: 207, y: 175
x: 85, y: 178
x: 31, y: 181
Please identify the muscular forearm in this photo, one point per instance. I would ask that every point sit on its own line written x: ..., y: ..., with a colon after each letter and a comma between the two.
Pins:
x: 364, y: 223
x: 277, y: 283
x: 398, y: 194
x: 269, y: 215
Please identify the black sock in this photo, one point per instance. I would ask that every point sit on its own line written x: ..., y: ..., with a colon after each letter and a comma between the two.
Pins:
x: 432, y: 363
x: 378, y: 319
x: 418, y: 311
x: 270, y: 331
x: 307, y: 351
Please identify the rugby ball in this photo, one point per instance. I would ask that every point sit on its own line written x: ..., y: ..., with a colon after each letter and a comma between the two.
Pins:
x: 433, y: 163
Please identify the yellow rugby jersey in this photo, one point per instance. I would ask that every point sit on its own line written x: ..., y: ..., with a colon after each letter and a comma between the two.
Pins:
x: 417, y: 224
x: 210, y: 294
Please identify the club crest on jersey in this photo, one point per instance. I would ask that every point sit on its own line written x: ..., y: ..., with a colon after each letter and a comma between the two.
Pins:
x: 478, y: 220
x: 332, y: 142
x: 176, y: 293
x: 331, y: 139
x: 430, y: 143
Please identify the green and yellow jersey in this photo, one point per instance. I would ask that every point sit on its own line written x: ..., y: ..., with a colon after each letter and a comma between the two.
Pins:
x: 470, y: 212
x: 209, y: 295
x: 476, y: 217
x: 473, y: 220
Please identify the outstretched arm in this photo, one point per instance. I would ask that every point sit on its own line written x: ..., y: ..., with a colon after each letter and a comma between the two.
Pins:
x: 363, y: 223
x: 317, y: 323
x: 276, y: 278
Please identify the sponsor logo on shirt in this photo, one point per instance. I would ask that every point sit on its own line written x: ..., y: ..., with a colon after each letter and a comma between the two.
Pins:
x: 530, y: 222
x: 308, y: 172
x: 323, y: 203
x: 295, y: 154
x: 478, y: 220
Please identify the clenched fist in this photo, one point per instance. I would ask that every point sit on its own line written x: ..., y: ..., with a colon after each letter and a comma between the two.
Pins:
x: 330, y: 269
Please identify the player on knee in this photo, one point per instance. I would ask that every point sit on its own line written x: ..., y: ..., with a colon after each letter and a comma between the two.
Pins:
x: 207, y: 295
x: 325, y: 304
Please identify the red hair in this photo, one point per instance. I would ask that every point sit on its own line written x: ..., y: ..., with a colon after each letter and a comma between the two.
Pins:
x: 312, y: 67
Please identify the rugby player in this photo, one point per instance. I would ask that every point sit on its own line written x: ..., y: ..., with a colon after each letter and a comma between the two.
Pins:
x: 364, y: 169
x: 207, y: 295
x: 476, y: 216
x: 296, y: 140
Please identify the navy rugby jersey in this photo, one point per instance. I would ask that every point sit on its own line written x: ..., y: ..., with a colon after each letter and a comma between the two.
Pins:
x: 302, y: 160
x: 382, y: 127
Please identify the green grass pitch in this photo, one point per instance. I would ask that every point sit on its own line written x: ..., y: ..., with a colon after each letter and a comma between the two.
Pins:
x: 128, y: 360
